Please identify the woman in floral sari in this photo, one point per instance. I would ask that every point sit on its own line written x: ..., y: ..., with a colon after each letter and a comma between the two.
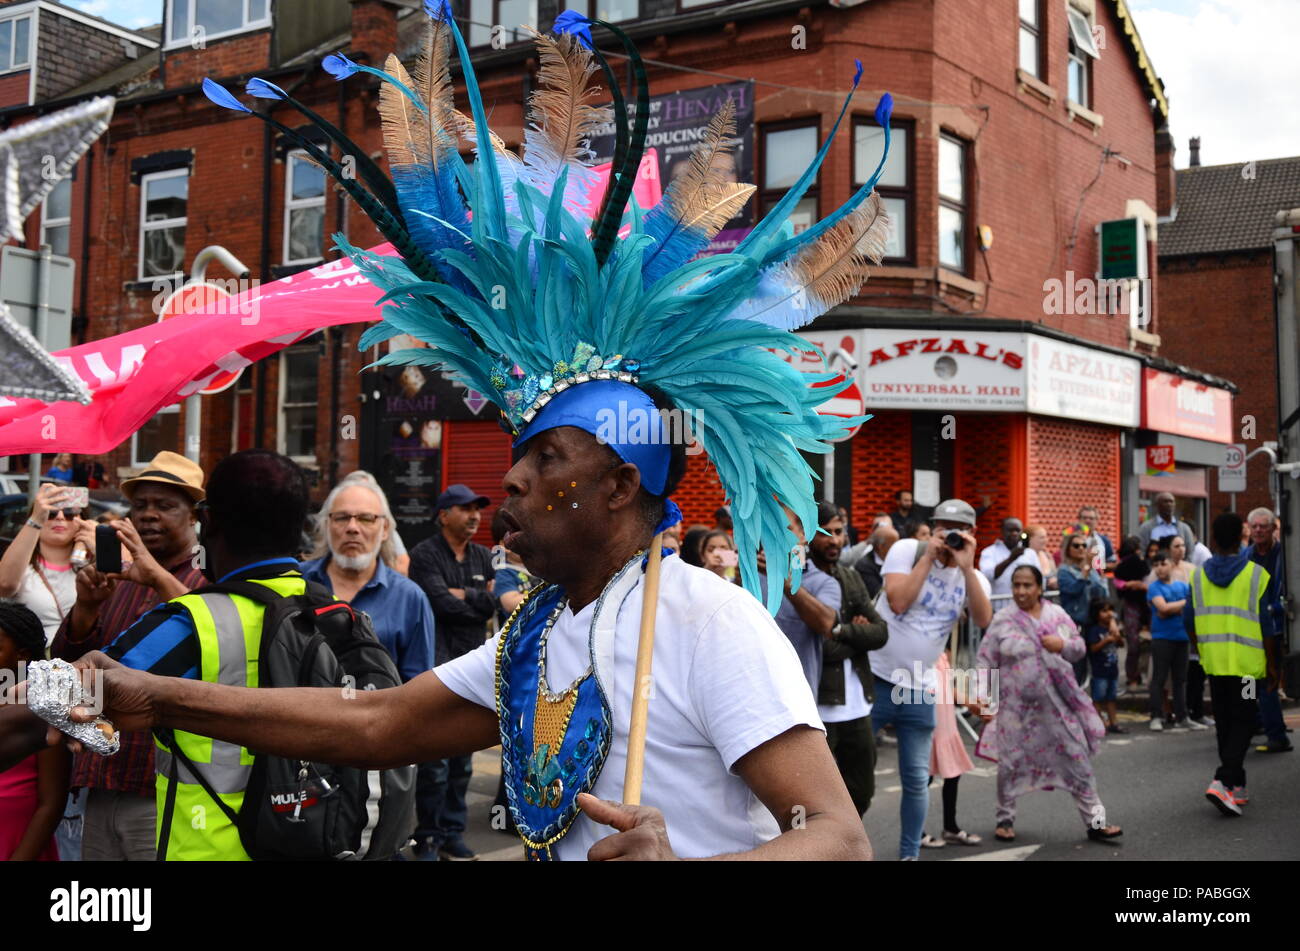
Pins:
x: 1043, y: 730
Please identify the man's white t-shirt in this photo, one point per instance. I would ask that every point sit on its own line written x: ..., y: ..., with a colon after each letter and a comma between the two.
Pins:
x: 855, y: 705
x: 997, y: 553
x: 919, y: 634
x: 725, y: 681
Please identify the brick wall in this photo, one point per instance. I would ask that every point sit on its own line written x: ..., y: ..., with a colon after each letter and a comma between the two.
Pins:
x: 988, y: 459
x: 1218, y: 317
x: 235, y: 56
x: 14, y: 88
x: 1072, y: 464
x: 881, y: 463
x: 70, y: 53
x: 700, y: 493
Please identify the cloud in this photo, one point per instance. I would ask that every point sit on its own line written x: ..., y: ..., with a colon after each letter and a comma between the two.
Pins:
x: 132, y: 13
x: 1231, y: 74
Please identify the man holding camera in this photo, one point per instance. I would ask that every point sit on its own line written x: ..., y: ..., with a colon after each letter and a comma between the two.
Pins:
x: 1000, y: 560
x: 927, y: 584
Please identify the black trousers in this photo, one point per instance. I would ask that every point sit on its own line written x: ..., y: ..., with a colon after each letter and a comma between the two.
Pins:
x: 1169, y: 660
x: 1195, y: 690
x: 1234, y: 705
x: 854, y: 747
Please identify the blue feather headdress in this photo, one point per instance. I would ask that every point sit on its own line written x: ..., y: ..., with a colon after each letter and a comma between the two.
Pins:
x: 528, y: 295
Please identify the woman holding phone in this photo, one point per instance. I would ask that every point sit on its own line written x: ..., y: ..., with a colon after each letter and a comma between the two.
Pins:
x: 718, y: 554
x: 37, y: 569
x: 1042, y: 729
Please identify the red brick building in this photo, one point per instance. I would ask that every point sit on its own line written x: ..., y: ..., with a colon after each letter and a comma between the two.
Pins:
x: 1018, y: 127
x: 1217, y: 296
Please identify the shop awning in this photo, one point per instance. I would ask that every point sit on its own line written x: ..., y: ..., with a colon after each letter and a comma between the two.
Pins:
x: 1184, y: 483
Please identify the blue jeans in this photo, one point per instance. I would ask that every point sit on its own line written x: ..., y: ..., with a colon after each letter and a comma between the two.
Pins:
x: 440, y: 790
x: 68, y: 832
x: 913, y: 721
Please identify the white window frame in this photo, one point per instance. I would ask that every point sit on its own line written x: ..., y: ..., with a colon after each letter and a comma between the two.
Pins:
x: 158, y: 225
x: 292, y: 204
x: 48, y: 222
x: 1035, y: 30
x: 281, y: 430
x: 248, y: 26
x: 136, y: 462
x: 1081, y: 47
x: 11, y: 66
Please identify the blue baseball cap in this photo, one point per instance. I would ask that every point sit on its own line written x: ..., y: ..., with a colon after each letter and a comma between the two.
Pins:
x: 460, y: 494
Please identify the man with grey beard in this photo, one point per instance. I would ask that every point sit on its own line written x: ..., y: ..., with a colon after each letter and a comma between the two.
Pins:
x: 354, y: 561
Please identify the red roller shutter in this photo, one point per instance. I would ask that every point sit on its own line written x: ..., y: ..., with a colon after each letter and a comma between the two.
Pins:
x: 477, y: 453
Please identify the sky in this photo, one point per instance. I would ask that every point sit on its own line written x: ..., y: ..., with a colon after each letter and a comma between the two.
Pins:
x: 1230, y: 70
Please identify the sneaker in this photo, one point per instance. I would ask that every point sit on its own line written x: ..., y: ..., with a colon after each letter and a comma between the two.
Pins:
x: 1156, y: 724
x: 425, y: 850
x: 1116, y: 728
x: 1195, y: 725
x: 1219, y: 795
x: 930, y: 842
x: 455, y: 850
x: 910, y: 858
x: 1275, y: 746
x: 1239, y: 795
x: 1206, y: 722
x: 962, y: 837
x: 1178, y: 726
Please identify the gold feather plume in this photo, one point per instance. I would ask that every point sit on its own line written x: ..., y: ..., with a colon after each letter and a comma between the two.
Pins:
x: 564, y: 110
x: 702, y: 197
x: 835, y: 266
x: 406, y: 135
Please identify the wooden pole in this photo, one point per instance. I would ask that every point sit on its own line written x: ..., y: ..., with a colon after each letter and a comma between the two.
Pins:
x: 635, y: 771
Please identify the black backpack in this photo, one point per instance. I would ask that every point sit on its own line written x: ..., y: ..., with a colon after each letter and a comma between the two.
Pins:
x: 295, y: 810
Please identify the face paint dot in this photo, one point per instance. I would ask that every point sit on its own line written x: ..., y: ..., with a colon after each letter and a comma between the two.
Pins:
x: 575, y: 505
x: 548, y: 508
x: 560, y: 493
x: 573, y: 485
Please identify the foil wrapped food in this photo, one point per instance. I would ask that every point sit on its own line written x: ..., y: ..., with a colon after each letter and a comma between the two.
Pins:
x: 53, y: 688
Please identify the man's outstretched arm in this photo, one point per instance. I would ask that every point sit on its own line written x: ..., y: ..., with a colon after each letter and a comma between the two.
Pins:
x: 417, y: 722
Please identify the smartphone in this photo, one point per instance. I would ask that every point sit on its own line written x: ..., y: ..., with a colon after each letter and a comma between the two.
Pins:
x: 108, y: 549
x: 78, y: 497
x: 729, y: 559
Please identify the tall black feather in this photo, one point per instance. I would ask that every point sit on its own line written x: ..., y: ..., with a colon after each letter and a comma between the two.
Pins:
x: 605, y: 231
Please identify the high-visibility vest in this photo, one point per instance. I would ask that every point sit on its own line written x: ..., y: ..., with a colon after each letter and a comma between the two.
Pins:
x: 1228, y: 636
x: 190, y: 825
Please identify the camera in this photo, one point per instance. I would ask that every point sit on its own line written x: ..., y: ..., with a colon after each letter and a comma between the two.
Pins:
x: 954, y: 540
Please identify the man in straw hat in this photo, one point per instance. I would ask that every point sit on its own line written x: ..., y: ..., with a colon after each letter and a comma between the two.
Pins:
x: 160, y: 565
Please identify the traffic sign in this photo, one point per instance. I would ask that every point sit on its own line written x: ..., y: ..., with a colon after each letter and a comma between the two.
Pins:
x: 191, y: 299
x: 847, y: 404
x: 1232, y: 474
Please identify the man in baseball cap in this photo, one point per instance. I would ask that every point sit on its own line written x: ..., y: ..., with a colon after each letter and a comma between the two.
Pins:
x: 927, y: 584
x: 456, y: 574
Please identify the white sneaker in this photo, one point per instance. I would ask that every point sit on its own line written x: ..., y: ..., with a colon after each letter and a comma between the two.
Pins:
x: 1221, y: 797
x: 1178, y: 726
x: 1156, y: 724
x: 1196, y: 725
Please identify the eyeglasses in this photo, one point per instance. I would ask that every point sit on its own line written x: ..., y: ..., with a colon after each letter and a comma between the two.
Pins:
x: 365, y: 518
x: 1078, y: 545
x: 68, y: 514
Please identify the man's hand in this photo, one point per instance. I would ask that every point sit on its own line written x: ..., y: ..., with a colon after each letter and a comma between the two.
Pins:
x: 642, y: 835
x: 93, y: 587
x: 126, y: 697
x: 143, y: 567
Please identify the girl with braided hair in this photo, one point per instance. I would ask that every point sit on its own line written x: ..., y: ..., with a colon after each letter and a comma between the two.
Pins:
x: 33, y: 792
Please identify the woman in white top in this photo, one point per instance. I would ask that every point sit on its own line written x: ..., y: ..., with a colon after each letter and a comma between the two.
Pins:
x: 37, y: 569
x: 1182, y: 568
x: 1046, y: 563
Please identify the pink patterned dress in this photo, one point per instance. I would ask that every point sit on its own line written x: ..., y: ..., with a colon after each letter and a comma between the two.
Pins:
x: 948, y: 758
x: 1045, y: 730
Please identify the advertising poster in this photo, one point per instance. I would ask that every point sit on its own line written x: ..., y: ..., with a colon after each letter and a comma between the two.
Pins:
x: 677, y: 122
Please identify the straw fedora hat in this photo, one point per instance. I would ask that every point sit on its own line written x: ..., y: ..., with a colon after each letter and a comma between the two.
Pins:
x: 169, y: 468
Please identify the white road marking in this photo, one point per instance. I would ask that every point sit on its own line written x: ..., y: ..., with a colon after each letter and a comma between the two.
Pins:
x: 1016, y: 854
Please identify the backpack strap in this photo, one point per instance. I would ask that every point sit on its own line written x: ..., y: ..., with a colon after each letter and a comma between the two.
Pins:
x: 168, y: 739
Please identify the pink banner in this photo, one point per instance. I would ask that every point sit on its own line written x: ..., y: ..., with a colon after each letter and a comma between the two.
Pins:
x: 133, y: 375
x: 646, y: 188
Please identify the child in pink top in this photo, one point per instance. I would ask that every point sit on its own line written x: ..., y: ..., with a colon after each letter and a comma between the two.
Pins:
x: 948, y: 758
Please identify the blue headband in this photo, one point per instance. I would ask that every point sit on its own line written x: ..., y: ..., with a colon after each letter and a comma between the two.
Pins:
x: 618, y: 415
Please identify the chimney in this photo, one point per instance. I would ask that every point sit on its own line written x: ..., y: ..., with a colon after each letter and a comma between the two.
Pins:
x: 374, y: 31
x: 1166, y: 178
x: 1194, y: 147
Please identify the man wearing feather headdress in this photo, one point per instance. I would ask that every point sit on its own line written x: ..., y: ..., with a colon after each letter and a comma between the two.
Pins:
x: 564, y: 319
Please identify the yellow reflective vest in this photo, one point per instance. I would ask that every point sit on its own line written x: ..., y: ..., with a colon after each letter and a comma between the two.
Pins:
x: 191, y: 827
x: 1228, y: 636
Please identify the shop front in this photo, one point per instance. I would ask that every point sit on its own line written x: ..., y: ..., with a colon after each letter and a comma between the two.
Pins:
x: 1186, y: 425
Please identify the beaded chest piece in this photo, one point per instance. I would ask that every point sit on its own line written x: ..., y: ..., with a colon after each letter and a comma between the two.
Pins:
x: 553, y: 743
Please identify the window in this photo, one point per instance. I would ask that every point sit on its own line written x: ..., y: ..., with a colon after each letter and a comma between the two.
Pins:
x: 299, y: 371
x: 163, y: 200
x: 895, y: 183
x: 304, y: 209
x: 163, y: 432
x: 611, y: 11
x: 788, y: 149
x: 15, y: 43
x: 56, y: 217
x: 687, y: 4
x: 192, y: 20
x: 1082, y: 49
x: 509, y: 14
x: 953, y: 203
x: 1031, y: 60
